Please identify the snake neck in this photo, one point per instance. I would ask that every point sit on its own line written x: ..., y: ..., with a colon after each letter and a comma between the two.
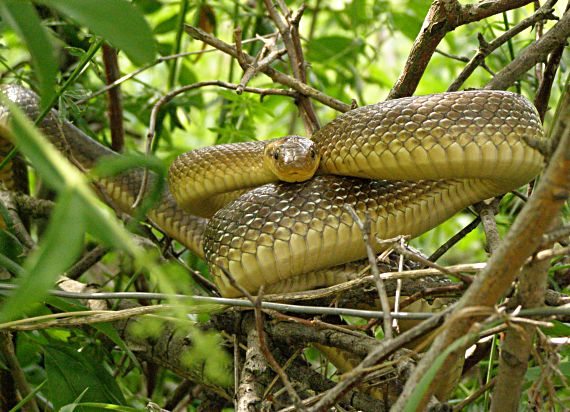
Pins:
x: 204, y: 180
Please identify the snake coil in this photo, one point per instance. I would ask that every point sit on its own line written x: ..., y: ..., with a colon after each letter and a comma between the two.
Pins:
x: 413, y: 163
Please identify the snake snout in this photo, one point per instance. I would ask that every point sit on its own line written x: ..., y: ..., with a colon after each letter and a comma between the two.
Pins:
x: 292, y: 158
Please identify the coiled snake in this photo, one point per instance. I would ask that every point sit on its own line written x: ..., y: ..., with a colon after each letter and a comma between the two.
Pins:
x: 430, y: 157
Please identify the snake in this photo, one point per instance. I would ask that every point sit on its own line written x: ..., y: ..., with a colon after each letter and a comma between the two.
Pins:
x: 406, y: 164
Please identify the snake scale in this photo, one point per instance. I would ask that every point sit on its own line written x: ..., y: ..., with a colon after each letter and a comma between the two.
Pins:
x: 409, y: 164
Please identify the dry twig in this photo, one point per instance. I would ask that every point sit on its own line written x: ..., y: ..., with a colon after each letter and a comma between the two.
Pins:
x: 366, y: 233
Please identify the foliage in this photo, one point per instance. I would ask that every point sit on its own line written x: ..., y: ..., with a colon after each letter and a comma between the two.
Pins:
x: 355, y: 50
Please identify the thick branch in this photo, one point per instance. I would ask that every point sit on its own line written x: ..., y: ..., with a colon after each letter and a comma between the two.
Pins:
x: 168, y: 349
x: 250, y: 390
x: 487, y: 48
x: 443, y: 16
x: 503, y: 267
x: 297, y: 334
x: 536, y: 52
x: 515, y: 350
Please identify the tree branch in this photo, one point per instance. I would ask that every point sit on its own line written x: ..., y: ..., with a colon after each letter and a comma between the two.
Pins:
x: 543, y: 13
x: 275, y: 75
x: 443, y: 16
x: 536, y: 52
x: 522, y: 240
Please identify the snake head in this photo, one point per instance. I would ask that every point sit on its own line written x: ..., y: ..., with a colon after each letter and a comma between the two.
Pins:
x: 292, y: 158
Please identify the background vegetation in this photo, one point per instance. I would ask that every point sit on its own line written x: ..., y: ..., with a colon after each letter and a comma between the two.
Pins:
x: 64, y: 49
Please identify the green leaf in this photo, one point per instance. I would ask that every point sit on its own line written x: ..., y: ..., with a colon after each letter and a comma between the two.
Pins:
x: 23, y: 19
x: 408, y: 23
x: 58, y: 250
x: 424, y: 383
x: 118, y: 21
x: 71, y: 372
x: 28, y: 397
x: 327, y: 48
x: 532, y: 374
x: 105, y: 328
x: 559, y: 329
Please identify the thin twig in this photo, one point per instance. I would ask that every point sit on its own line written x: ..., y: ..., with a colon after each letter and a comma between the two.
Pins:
x: 426, y: 262
x: 162, y: 59
x: 87, y: 261
x: 441, y: 18
x: 13, y: 364
x: 454, y: 239
x: 539, y: 31
x: 269, y: 356
x: 487, y: 215
x: 385, y: 348
x: 547, y: 78
x: 480, y: 391
x: 401, y: 246
x: 556, y: 235
x: 310, y: 310
x: 366, y: 233
x: 438, y: 291
x: 207, y: 285
x: 288, y: 27
x: 274, y: 74
x: 537, y: 51
x: 239, y: 49
x: 486, y: 48
x: 261, y: 60
x: 115, y: 105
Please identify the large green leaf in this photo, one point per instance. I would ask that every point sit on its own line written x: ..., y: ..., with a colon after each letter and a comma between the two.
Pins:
x: 74, y: 375
x: 105, y: 328
x: 23, y: 19
x: 118, y: 21
x: 58, y: 250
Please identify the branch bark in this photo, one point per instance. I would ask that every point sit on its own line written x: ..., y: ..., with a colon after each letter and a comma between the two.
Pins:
x: 536, y: 52
x: 443, y: 16
x: 516, y: 348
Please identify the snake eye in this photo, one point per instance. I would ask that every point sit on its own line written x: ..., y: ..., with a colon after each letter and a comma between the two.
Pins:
x: 313, y: 154
x: 276, y: 154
